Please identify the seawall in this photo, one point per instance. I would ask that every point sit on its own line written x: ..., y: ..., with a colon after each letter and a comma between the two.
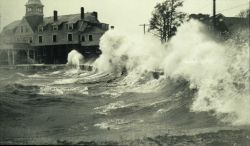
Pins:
x: 38, y: 67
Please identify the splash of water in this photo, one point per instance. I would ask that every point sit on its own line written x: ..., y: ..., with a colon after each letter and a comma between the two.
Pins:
x: 218, y: 69
x: 74, y: 59
x: 132, y: 52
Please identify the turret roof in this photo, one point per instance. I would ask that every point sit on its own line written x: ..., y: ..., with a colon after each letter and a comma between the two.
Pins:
x: 34, y: 2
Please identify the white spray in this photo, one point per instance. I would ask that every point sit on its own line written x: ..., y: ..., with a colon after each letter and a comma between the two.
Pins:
x: 74, y: 59
x: 218, y: 70
x: 132, y: 52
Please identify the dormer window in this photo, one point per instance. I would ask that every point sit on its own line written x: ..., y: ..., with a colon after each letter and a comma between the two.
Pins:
x: 30, y: 40
x: 55, y: 27
x: 21, y: 29
x: 40, y: 28
x: 70, y: 26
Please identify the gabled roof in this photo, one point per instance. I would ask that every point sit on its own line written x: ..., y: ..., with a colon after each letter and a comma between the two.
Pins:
x: 12, y: 26
x: 34, y: 22
x: 4, y: 46
x: 219, y: 15
x: 223, y: 23
x: 83, y: 26
x: 73, y: 18
x: 235, y: 20
x: 235, y: 23
x: 93, y: 29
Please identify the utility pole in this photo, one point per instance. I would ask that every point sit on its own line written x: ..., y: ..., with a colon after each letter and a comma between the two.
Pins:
x: 144, y: 27
x: 249, y: 45
x: 1, y: 18
x: 0, y: 22
x: 214, y: 13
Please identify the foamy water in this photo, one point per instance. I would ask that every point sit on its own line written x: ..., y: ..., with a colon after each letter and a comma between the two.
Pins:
x: 75, y: 59
x: 216, y: 69
x: 204, y: 88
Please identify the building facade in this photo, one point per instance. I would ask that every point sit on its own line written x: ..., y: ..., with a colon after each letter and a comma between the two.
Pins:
x: 39, y: 39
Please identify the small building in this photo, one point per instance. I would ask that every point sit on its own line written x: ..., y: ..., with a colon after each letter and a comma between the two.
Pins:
x: 223, y: 24
x: 39, y: 39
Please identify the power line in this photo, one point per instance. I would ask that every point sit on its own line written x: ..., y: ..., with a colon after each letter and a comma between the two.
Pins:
x: 230, y: 8
x: 204, y: 6
x: 0, y: 22
x: 237, y: 6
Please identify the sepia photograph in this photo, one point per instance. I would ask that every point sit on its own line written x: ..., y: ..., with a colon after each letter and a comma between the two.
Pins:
x: 125, y: 72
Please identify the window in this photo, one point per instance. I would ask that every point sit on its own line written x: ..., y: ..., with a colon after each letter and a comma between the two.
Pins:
x: 90, y: 38
x: 40, y: 28
x: 55, y: 27
x: 83, y: 38
x: 39, y: 10
x: 21, y: 29
x: 29, y: 9
x: 70, y: 37
x: 70, y: 26
x: 54, y: 38
x: 40, y: 39
x: 30, y: 40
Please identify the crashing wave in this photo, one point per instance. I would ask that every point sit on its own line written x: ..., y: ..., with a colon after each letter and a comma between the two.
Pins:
x: 217, y: 69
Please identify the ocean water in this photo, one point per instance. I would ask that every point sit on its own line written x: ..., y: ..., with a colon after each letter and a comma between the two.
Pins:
x: 190, y: 93
x: 74, y: 105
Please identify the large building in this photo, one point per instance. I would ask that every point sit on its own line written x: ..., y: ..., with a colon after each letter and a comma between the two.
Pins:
x: 39, y: 39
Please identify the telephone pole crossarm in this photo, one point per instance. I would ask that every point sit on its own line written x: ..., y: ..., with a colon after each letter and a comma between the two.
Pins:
x: 144, y: 27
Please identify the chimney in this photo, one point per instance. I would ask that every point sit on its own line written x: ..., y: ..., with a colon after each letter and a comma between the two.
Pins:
x: 95, y: 14
x: 55, y: 16
x: 82, y: 13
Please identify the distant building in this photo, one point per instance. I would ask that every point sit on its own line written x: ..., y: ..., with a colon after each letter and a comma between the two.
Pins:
x: 39, y: 39
x: 223, y: 24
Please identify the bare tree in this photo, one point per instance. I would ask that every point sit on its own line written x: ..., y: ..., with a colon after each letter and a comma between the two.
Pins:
x: 165, y: 19
x: 244, y: 13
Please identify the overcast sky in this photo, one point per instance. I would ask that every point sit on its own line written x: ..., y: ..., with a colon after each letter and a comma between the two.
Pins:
x: 123, y: 14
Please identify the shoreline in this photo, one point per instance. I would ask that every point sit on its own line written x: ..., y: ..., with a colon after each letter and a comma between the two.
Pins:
x: 44, y: 67
x: 233, y: 137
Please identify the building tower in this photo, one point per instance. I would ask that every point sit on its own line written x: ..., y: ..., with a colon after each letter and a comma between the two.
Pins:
x: 34, y: 13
